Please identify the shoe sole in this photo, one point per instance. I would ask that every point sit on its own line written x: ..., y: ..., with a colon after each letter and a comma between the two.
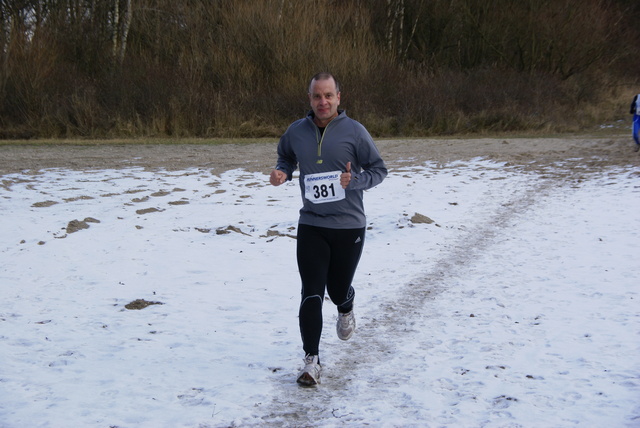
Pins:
x: 306, y: 379
x: 346, y: 337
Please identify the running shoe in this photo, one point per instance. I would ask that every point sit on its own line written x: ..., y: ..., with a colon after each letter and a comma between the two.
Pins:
x: 310, y: 374
x: 346, y: 325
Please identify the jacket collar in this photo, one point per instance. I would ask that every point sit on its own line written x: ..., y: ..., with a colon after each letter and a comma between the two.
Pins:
x: 341, y: 113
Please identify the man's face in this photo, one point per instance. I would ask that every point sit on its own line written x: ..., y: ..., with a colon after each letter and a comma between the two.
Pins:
x: 324, y: 100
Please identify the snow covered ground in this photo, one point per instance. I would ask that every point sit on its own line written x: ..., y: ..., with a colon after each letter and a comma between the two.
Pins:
x: 518, y: 306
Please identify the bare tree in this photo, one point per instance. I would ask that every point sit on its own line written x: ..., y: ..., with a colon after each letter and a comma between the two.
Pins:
x: 121, y: 25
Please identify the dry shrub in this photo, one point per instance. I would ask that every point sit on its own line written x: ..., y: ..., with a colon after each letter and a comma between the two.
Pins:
x: 241, y: 68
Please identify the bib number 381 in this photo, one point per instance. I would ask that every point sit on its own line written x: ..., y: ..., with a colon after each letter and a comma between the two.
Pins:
x: 323, y: 187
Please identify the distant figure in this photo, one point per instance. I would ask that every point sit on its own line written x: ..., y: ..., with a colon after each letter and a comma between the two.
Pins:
x: 635, y: 111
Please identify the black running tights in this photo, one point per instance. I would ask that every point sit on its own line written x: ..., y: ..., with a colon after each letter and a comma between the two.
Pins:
x: 326, y: 258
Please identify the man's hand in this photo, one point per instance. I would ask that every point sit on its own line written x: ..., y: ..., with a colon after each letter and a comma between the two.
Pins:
x: 345, y: 177
x: 277, y: 177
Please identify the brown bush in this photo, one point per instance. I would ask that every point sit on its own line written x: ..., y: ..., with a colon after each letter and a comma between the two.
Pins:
x: 240, y: 68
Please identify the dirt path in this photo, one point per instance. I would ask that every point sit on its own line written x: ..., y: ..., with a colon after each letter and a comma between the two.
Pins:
x: 394, y: 324
x: 533, y: 152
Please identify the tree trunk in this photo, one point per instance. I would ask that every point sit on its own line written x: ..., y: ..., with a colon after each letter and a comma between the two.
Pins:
x: 121, y: 25
x: 125, y: 31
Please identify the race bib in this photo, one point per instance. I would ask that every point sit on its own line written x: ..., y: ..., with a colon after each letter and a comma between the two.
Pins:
x: 323, y: 187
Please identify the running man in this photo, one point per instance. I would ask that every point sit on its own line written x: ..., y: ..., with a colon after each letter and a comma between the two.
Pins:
x: 338, y: 160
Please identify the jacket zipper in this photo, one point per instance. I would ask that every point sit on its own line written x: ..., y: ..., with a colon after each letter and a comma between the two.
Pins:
x: 319, y: 140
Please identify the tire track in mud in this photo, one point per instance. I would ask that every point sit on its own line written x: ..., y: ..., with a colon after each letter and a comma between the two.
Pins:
x: 379, y: 338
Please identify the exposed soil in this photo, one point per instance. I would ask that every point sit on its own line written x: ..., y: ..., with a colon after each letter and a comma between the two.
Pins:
x: 530, y: 152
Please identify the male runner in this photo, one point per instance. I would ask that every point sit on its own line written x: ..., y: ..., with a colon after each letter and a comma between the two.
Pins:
x: 338, y: 160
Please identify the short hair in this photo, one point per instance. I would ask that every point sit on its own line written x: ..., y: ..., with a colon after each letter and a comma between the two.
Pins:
x: 324, y: 76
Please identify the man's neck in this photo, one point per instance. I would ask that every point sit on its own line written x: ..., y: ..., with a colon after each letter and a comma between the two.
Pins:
x: 323, y: 123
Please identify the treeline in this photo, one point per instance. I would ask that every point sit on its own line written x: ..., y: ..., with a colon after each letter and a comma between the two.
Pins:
x: 239, y: 68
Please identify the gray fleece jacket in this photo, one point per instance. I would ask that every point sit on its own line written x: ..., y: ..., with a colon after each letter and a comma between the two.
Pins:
x: 344, y: 140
